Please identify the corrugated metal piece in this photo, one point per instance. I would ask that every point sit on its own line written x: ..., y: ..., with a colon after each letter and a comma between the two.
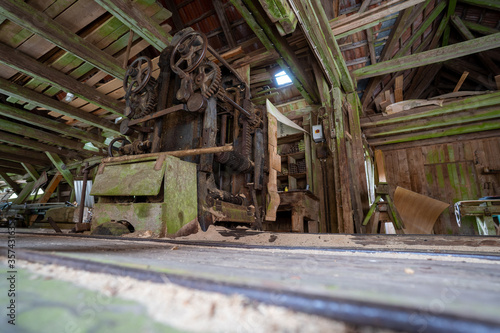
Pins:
x: 89, y: 199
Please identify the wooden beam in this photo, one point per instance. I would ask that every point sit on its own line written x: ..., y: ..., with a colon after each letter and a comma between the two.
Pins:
x: 19, y: 155
x: 479, y: 28
x: 53, y: 125
x: 495, y: 5
x: 176, y: 17
x: 421, y: 29
x: 130, y: 15
x: 30, y: 169
x: 398, y: 89
x: 452, y: 4
x: 61, y: 167
x: 371, y: 48
x: 221, y: 15
x: 273, y: 42
x: 430, y: 57
x: 29, y: 66
x: 280, y: 13
x: 11, y: 165
x: 356, y: 20
x: 35, y: 145
x: 40, y: 23
x: 34, y: 133
x: 9, y: 181
x: 467, y: 35
x: 461, y: 81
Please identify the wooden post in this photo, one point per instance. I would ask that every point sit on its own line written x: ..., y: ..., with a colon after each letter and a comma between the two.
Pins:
x: 62, y: 168
x: 461, y: 81
x: 31, y: 171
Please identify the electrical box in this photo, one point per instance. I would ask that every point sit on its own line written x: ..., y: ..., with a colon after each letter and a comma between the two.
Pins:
x: 318, y: 133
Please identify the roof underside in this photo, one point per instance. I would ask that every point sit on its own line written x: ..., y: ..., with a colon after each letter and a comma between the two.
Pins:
x: 86, y: 41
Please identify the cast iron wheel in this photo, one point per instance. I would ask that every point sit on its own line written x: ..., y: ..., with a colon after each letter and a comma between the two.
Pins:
x: 112, y: 148
x: 189, y: 52
x: 138, y: 76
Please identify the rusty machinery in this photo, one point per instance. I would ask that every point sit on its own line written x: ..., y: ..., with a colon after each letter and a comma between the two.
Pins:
x: 194, y: 106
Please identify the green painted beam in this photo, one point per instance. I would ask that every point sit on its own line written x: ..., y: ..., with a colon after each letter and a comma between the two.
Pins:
x: 480, y: 28
x: 474, y: 102
x: 281, y: 14
x: 489, y: 4
x: 316, y: 37
x: 456, y: 130
x: 440, y: 123
x: 430, y: 57
x: 29, y: 66
x: 47, y: 123
x: 348, y: 83
x: 41, y: 100
x: 40, y: 23
x: 135, y: 19
x: 61, y: 167
x: 30, y: 169
x: 37, y: 134
x: 452, y: 4
x: 288, y: 62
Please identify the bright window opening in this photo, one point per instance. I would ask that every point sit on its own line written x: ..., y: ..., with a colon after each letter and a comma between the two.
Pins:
x: 282, y: 78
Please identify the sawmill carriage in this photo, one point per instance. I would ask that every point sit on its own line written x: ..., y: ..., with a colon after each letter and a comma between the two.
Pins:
x: 193, y: 149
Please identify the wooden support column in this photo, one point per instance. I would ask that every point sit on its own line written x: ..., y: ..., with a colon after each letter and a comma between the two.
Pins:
x: 343, y: 165
x: 176, y: 17
x: 31, y: 171
x: 359, y: 175
x: 41, y: 24
x: 430, y: 57
x: 130, y: 15
x: 29, y: 66
x: 9, y: 181
x: 35, y: 98
x: 62, y: 168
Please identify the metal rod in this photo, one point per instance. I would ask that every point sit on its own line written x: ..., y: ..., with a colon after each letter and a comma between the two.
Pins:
x: 84, y: 191
x: 177, y: 153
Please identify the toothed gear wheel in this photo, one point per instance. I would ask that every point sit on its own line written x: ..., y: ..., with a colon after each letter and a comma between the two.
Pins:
x: 208, y: 78
x: 143, y: 103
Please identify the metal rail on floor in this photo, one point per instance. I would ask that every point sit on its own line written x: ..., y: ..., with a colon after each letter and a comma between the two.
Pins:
x: 348, y: 311
x: 202, y: 243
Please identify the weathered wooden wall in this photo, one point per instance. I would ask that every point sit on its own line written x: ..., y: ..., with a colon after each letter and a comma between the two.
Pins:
x: 449, y: 172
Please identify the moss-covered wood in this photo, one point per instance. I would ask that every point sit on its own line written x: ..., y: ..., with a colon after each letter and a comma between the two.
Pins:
x: 62, y: 168
x: 29, y: 66
x: 40, y: 23
x: 135, y: 19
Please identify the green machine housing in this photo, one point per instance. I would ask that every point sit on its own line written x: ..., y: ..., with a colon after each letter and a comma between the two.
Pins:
x: 157, y: 194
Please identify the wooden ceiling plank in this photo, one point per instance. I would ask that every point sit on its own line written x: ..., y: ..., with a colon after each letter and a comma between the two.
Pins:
x: 9, y: 181
x: 40, y: 121
x: 221, y: 15
x: 430, y: 57
x: 467, y: 35
x: 31, y: 67
x: 135, y: 19
x: 8, y: 88
x: 35, y: 145
x: 37, y: 134
x: 40, y: 23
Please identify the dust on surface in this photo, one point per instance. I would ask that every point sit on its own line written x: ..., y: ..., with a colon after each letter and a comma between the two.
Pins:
x: 193, y: 310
